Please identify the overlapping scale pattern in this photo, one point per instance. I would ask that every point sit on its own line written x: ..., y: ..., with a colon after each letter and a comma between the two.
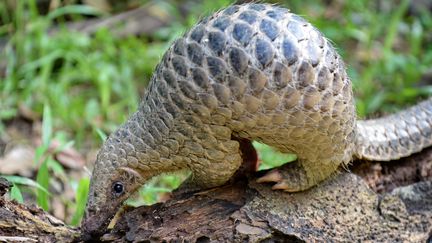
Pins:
x: 258, y: 72
x: 253, y: 71
x: 397, y: 135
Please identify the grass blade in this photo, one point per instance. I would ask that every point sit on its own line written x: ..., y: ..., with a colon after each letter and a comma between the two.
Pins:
x: 19, y: 180
x: 74, y: 9
x: 15, y: 194
x: 46, y: 125
x: 81, y: 200
x: 43, y: 179
x: 101, y: 134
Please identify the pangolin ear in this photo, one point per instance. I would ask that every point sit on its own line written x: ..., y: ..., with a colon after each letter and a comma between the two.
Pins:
x: 130, y: 174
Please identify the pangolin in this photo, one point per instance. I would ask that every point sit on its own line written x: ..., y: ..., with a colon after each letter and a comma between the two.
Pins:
x: 255, y: 72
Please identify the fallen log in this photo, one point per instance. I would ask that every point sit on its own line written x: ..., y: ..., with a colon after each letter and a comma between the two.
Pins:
x: 341, y: 209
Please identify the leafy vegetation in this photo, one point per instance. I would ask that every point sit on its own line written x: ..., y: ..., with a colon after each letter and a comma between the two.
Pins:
x: 83, y: 86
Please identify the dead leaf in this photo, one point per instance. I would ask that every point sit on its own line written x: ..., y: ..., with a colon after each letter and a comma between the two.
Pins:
x: 18, y: 161
x: 68, y: 157
x: 102, y: 5
x: 28, y: 113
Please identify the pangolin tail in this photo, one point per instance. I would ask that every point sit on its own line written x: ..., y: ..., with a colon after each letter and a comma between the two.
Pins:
x: 395, y: 136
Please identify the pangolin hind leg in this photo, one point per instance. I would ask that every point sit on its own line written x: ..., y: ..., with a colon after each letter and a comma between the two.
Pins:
x: 299, y: 175
x: 315, y: 163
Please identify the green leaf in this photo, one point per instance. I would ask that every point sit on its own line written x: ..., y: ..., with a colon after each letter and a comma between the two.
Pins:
x: 42, y: 61
x: 270, y: 157
x: 394, y: 24
x: 25, y: 181
x: 43, y: 178
x: 15, y: 193
x: 74, y: 9
x: 375, y: 102
x: 101, y: 134
x: 64, y: 146
x: 81, y: 200
x: 55, y: 166
x: 47, y: 125
x: 39, y: 153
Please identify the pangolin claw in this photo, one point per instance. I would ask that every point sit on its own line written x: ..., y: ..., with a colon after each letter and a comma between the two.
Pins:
x: 275, y: 176
x: 282, y: 186
x: 271, y: 176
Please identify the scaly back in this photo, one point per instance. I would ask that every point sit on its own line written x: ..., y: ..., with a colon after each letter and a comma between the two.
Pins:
x: 266, y: 74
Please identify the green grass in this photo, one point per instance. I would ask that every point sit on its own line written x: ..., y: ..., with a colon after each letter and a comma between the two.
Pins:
x: 83, y: 79
x: 83, y: 86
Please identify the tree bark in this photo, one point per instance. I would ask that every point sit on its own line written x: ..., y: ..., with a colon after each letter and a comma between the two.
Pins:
x: 21, y: 223
x: 341, y: 209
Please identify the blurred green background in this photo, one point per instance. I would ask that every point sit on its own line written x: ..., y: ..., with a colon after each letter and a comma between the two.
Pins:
x: 73, y: 74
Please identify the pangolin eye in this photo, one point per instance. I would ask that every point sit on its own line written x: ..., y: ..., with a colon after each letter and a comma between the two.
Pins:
x: 118, y: 188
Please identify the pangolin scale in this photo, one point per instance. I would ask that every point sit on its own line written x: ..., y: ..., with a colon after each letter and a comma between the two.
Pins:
x: 255, y: 72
